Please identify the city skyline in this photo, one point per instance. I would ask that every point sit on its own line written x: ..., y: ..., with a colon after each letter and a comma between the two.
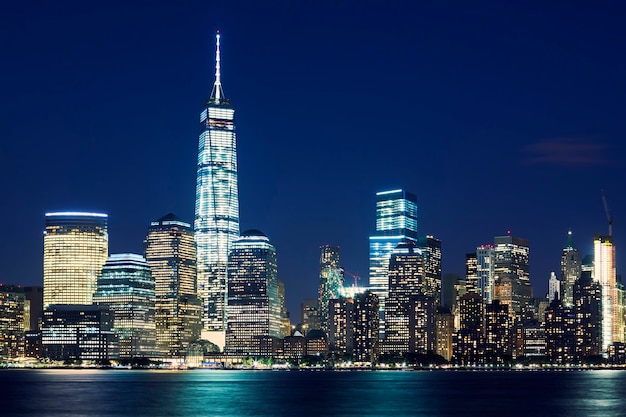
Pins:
x: 503, y: 125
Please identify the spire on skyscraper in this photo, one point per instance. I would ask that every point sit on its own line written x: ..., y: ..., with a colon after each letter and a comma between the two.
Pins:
x: 217, y: 94
x: 570, y: 240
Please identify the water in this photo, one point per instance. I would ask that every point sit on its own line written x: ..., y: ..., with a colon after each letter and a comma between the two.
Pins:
x: 311, y: 393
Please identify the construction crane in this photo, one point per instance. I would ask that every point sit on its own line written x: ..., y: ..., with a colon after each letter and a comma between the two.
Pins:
x: 356, y: 277
x: 608, y: 214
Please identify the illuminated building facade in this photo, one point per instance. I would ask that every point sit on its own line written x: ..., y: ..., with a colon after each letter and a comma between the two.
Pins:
x: 498, y: 341
x: 587, y: 297
x: 406, y: 282
x: 341, y: 325
x: 76, y: 332
x: 253, y: 304
x: 485, y: 272
x: 75, y: 246
x: 366, y: 328
x: 571, y: 269
x: 216, y: 221
x: 285, y: 322
x: 604, y: 273
x: 468, y: 340
x: 444, y: 332
x: 512, y: 278
x: 431, y: 251
x: 471, y: 274
x: 560, y: 324
x: 33, y: 308
x: 331, y: 281
x: 170, y: 251
x: 126, y: 286
x: 309, y: 315
x: 12, y: 321
x: 396, y: 221
x: 554, y: 288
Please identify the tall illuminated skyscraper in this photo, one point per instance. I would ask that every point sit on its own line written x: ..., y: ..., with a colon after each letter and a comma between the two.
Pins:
x: 396, y: 221
x: 170, y: 251
x: 75, y: 246
x: 330, y: 281
x: 253, y: 303
x: 511, y: 272
x: 604, y: 273
x: 216, y: 221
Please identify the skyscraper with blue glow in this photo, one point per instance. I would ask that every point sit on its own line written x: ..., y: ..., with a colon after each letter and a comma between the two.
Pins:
x: 217, y: 205
x: 396, y: 221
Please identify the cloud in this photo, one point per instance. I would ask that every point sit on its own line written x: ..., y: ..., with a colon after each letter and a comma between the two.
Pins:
x: 566, y: 151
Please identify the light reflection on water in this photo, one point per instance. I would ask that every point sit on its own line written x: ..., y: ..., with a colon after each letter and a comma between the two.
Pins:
x: 57, y: 393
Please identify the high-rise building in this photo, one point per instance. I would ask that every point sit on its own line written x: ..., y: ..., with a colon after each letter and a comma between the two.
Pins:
x: 396, y: 221
x: 554, y: 288
x: 75, y: 246
x: 485, y: 272
x: 126, y: 286
x: 498, y: 329
x: 331, y: 281
x: 511, y: 273
x: 468, y: 340
x: 78, y: 332
x: 216, y: 221
x: 366, y: 327
x: 285, y: 322
x: 604, y: 273
x: 560, y: 324
x: 253, y: 304
x: 12, y: 321
x: 341, y: 325
x: 309, y: 315
x: 571, y: 269
x: 471, y: 274
x: 406, y: 282
x: 170, y: 251
x: 587, y: 296
x: 431, y: 251
x: 444, y: 332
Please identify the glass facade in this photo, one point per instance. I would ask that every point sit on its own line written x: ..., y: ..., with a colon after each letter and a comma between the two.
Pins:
x: 253, y: 302
x: 604, y: 273
x: 511, y: 273
x: 75, y: 246
x: 12, y: 320
x: 126, y: 286
x: 216, y: 221
x: 170, y: 251
x: 331, y: 281
x: 396, y: 221
x: 571, y: 270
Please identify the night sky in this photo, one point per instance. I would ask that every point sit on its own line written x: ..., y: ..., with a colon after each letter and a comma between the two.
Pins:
x: 497, y: 116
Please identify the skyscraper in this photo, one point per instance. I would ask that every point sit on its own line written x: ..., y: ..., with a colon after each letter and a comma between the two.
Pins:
x: 604, y: 273
x: 216, y: 221
x: 512, y: 279
x: 75, y: 246
x: 571, y: 269
x: 396, y: 221
x: 126, y: 286
x: 406, y: 282
x: 431, y: 251
x: 170, y: 251
x: 330, y: 281
x: 253, y: 304
x: 12, y: 321
x: 485, y: 272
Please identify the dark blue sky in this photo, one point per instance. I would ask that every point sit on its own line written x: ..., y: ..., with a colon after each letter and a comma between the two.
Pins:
x: 498, y: 116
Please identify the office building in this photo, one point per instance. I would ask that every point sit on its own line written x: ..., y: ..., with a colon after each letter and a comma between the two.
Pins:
x: 587, y: 298
x: 471, y: 274
x: 309, y: 315
x: 341, y: 326
x: 126, y: 286
x: 253, y: 304
x: 366, y: 328
x: 444, y: 332
x: 170, y: 251
x: 396, y: 221
x: 485, y: 272
x: 216, y: 221
x: 511, y: 272
x: 468, y: 340
x: 498, y: 342
x: 604, y: 273
x: 431, y: 252
x: 331, y: 281
x: 12, y: 321
x: 571, y: 269
x: 554, y: 288
x: 75, y: 246
x: 79, y: 333
x: 560, y: 325
x: 33, y: 315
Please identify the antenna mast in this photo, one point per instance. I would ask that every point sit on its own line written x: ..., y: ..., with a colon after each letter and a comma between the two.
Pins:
x: 217, y: 94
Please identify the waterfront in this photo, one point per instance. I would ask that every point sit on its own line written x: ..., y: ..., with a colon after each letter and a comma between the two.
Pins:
x: 87, y: 392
